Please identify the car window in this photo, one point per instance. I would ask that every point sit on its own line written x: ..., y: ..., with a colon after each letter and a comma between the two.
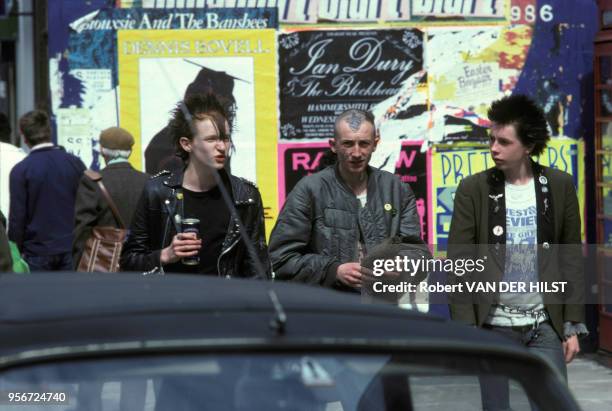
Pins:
x: 267, y: 382
x: 460, y: 393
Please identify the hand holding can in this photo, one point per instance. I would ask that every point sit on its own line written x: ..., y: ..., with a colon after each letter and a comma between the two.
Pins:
x: 191, y: 230
x: 185, y: 245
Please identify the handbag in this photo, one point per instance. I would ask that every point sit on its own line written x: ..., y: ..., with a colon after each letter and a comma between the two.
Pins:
x: 102, y: 249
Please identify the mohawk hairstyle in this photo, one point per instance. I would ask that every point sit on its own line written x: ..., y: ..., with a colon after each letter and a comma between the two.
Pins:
x: 526, y: 117
x: 199, y: 106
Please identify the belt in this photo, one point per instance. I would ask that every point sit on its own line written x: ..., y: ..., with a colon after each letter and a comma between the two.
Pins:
x: 540, y: 316
x: 537, y: 314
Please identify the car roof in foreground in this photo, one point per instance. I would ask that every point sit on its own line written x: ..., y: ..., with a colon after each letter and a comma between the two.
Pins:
x: 61, y: 313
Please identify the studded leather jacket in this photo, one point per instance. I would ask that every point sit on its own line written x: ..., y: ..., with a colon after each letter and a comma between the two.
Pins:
x: 155, y: 223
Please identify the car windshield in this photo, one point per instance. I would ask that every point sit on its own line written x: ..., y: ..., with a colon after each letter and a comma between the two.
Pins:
x: 269, y: 382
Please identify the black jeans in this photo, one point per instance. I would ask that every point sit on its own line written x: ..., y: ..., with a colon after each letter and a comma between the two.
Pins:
x: 543, y: 341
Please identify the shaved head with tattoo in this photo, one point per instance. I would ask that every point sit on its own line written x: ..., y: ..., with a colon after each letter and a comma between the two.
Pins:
x: 354, y: 141
x: 354, y: 118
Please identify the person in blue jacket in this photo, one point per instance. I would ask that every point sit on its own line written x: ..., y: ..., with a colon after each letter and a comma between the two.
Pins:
x: 43, y: 189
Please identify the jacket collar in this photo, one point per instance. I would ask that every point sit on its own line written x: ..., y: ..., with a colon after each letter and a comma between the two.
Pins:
x: 370, y: 170
x: 42, y: 146
x: 174, y: 179
x: 238, y: 190
x: 123, y: 164
x: 39, y: 148
x: 234, y: 184
x: 495, y: 177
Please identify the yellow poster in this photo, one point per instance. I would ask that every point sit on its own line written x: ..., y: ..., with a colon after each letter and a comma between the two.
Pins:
x: 452, y: 164
x: 158, y: 67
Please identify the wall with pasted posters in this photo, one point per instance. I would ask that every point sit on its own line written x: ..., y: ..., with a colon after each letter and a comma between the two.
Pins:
x: 452, y: 61
x: 427, y: 69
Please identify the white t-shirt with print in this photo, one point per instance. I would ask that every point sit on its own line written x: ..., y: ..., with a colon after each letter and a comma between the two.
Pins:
x: 521, y: 255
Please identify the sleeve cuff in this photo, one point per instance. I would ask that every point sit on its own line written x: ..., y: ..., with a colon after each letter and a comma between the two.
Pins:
x: 330, y: 275
x: 570, y: 329
x: 155, y: 266
x: 156, y: 257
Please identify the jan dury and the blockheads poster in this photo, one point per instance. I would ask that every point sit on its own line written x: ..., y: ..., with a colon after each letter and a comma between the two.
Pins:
x: 323, y: 73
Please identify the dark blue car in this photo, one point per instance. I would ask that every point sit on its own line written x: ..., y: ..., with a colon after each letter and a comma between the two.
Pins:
x: 128, y: 342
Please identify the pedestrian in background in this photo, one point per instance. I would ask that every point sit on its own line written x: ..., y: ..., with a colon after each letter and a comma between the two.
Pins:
x: 9, y: 156
x: 43, y: 189
x: 123, y: 183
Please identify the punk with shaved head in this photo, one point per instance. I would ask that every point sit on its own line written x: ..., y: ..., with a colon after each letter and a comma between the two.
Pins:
x: 332, y: 218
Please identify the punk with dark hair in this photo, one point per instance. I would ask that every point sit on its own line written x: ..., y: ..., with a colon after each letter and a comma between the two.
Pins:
x: 199, y: 107
x: 35, y: 127
x: 526, y: 117
x: 197, y: 194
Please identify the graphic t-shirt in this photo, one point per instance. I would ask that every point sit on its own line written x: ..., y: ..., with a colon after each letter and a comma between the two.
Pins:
x: 521, y: 257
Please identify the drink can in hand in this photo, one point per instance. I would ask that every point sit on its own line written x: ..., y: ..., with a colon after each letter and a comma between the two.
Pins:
x: 191, y: 225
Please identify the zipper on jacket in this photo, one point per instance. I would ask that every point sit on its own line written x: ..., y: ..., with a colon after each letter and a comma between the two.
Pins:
x: 223, y: 253
x: 169, y: 220
x: 170, y: 217
x: 161, y: 267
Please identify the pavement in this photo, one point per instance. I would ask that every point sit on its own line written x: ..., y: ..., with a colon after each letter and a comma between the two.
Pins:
x: 590, y: 380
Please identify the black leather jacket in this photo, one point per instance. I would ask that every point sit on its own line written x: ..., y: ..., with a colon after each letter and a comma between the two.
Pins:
x: 153, y: 227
